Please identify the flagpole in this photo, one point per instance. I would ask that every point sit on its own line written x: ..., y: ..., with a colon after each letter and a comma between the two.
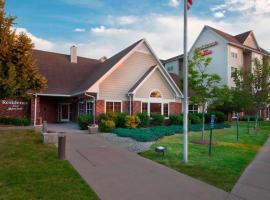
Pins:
x: 185, y: 89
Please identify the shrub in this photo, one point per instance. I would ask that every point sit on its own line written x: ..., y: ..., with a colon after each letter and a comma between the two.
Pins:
x: 106, y: 126
x: 144, y: 119
x: 15, y: 121
x: 176, y: 119
x: 251, y: 118
x: 102, y: 116
x: 132, y: 121
x: 157, y: 119
x: 84, y: 120
x: 194, y: 118
x: 120, y: 119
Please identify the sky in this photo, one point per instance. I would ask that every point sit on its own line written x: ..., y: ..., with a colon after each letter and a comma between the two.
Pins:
x: 104, y: 27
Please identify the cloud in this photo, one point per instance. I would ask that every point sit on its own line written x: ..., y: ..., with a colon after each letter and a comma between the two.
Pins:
x: 126, y: 20
x: 79, y: 30
x: 164, y: 33
x: 39, y: 43
x: 219, y: 14
x: 174, y: 3
x: 245, y: 7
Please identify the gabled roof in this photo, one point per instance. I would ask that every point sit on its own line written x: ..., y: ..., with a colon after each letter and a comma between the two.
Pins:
x: 243, y: 36
x: 147, y: 73
x: 71, y: 79
x: 104, y: 67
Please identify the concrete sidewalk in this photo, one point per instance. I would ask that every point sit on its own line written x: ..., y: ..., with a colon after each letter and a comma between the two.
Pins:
x: 116, y: 174
x: 255, y: 181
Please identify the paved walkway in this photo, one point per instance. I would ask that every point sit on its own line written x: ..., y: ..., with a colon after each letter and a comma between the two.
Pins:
x: 254, y: 184
x: 69, y: 127
x: 117, y: 174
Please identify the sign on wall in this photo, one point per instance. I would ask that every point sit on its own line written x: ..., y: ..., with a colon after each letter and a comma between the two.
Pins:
x: 14, y: 105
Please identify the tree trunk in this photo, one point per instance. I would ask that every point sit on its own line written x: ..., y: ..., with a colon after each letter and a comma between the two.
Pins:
x: 203, y: 122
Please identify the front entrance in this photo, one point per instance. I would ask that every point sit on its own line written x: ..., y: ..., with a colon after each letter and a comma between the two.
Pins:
x: 64, y: 112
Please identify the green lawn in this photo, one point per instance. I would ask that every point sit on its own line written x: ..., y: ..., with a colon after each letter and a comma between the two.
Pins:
x: 229, y: 157
x: 30, y: 170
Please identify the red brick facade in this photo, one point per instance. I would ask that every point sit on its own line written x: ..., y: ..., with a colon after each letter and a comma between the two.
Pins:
x: 136, y: 107
x: 100, y: 107
x: 125, y: 106
x: 15, y: 108
x: 175, y: 108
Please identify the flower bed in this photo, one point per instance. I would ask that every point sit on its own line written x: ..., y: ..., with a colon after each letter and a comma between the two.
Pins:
x: 154, y: 133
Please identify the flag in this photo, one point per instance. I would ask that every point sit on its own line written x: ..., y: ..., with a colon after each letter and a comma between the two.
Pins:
x: 189, y: 3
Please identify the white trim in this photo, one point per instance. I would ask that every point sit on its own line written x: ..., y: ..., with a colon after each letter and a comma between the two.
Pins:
x: 61, y: 119
x: 55, y: 95
x: 149, y: 101
x: 113, y: 104
x: 144, y: 52
x: 171, y: 81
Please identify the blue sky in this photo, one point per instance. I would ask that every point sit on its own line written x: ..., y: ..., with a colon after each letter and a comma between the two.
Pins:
x: 103, y: 27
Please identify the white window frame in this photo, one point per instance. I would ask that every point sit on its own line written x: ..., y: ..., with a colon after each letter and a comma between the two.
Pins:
x: 69, y: 112
x: 193, y: 110
x: 113, y: 101
x: 80, y: 103
x: 86, y: 106
x: 162, y: 102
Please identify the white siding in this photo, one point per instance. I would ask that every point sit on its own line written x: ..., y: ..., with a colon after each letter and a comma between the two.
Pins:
x: 237, y: 63
x: 219, y: 64
x: 155, y: 82
x: 117, y: 85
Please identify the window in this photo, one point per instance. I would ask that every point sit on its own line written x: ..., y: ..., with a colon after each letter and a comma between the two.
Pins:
x: 80, y: 108
x: 145, y: 107
x: 233, y: 69
x: 117, y: 107
x: 155, y: 94
x: 166, y: 110
x: 234, y: 55
x: 155, y: 108
x: 193, y: 108
x: 113, y: 106
x: 89, y: 107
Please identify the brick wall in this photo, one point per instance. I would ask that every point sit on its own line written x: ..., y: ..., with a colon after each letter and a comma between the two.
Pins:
x: 49, y: 109
x: 136, y: 107
x: 14, y: 108
x: 175, y: 108
x: 100, y: 107
x: 126, y: 106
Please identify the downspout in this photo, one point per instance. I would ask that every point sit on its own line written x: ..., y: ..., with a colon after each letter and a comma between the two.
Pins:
x: 130, y: 104
x: 94, y: 107
x: 35, y: 111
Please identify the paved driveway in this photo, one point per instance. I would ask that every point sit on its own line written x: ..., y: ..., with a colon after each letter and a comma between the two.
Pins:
x: 116, y: 174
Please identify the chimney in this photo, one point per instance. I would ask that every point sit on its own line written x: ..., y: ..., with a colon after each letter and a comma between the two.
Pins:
x: 73, y: 54
x: 103, y: 59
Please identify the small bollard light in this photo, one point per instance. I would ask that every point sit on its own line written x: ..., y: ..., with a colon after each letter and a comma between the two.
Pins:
x: 160, y: 149
x: 61, y: 146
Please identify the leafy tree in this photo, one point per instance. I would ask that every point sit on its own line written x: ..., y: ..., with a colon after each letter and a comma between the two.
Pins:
x: 202, y: 83
x: 255, y: 83
x: 18, y: 73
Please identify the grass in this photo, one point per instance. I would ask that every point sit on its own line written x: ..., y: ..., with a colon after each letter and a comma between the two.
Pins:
x: 229, y: 156
x: 30, y: 170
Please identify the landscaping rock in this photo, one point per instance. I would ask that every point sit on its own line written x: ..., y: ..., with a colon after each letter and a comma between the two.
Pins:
x: 126, y: 143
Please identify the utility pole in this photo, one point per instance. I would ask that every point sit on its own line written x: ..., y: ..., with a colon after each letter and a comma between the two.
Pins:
x: 185, y: 88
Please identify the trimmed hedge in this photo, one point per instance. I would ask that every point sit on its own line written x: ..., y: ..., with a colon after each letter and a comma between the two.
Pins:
x: 144, y: 119
x: 251, y: 118
x: 157, y: 119
x: 154, y: 133
x: 15, y: 121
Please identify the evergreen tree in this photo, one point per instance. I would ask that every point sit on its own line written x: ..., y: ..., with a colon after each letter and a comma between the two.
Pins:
x: 18, y: 73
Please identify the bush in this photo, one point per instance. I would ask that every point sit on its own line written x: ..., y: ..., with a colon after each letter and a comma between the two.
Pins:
x: 120, y: 119
x: 132, y: 121
x: 176, y: 119
x: 106, y: 126
x: 157, y: 119
x: 15, y: 121
x: 84, y: 120
x: 144, y: 119
x: 251, y: 118
x: 194, y: 118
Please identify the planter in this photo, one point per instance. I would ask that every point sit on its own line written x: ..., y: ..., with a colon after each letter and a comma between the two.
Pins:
x: 93, y: 129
